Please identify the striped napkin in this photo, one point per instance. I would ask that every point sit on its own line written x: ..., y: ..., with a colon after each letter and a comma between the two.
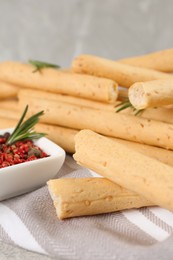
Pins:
x: 29, y: 221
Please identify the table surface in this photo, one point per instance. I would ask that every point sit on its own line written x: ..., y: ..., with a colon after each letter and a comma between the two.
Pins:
x: 57, y: 31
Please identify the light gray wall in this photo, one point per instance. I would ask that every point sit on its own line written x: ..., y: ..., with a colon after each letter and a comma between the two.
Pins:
x: 57, y: 30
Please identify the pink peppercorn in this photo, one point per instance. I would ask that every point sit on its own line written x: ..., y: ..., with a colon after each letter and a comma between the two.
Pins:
x: 19, y: 152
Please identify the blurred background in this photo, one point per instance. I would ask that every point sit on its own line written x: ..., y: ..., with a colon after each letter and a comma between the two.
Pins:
x: 57, y: 30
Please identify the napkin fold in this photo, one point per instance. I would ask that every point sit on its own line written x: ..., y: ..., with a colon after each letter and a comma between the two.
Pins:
x: 29, y: 221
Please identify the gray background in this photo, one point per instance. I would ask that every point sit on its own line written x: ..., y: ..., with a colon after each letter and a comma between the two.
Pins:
x: 58, y: 30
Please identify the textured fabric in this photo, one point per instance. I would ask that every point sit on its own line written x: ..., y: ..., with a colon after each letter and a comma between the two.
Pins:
x: 30, y: 221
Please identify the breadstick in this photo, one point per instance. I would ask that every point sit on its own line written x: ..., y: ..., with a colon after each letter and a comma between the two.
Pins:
x: 160, y: 154
x: 125, y: 75
x: 160, y: 113
x: 25, y: 93
x: 160, y: 60
x: 126, y: 167
x: 9, y: 104
x: 163, y: 114
x: 7, y: 123
x: 7, y: 90
x: 69, y: 70
x: 90, y: 196
x: 53, y: 80
x: 151, y: 94
x: 64, y: 137
x: 108, y: 123
x: 9, y: 113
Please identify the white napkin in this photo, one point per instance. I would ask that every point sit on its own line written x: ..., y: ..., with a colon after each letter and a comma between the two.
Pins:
x: 30, y: 221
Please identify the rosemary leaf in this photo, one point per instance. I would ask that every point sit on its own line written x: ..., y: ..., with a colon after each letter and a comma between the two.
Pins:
x: 125, y: 104
x: 41, y: 64
x: 138, y: 112
x: 20, y: 121
x: 30, y: 122
x: 25, y: 130
x: 123, y: 107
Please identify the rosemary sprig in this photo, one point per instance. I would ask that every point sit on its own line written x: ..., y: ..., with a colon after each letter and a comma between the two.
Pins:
x: 24, y: 130
x: 125, y: 104
x: 41, y: 64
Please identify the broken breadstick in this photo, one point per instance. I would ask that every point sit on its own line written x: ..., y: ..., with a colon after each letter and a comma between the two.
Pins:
x: 154, y: 93
x: 124, y: 74
x: 160, y: 60
x: 90, y: 196
x: 128, y: 168
x: 53, y: 80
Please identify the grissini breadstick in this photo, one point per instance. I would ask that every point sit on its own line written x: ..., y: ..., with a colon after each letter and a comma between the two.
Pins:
x: 160, y: 60
x: 151, y: 94
x: 7, y: 122
x: 68, y: 70
x: 23, y: 93
x: 7, y: 90
x: 53, y: 80
x: 9, y: 113
x: 62, y: 136
x: 90, y: 196
x: 160, y: 113
x: 9, y: 104
x: 126, y: 167
x: 108, y: 123
x: 163, y: 114
x: 65, y: 138
x: 160, y: 154
x: 124, y: 74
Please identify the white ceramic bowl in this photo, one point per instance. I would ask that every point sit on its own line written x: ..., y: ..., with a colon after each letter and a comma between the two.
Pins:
x: 24, y: 177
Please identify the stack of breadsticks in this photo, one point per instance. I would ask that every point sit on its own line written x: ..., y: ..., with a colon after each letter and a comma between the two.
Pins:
x: 86, y: 97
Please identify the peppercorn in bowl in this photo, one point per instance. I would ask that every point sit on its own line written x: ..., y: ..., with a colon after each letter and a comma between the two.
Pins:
x: 27, y: 165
